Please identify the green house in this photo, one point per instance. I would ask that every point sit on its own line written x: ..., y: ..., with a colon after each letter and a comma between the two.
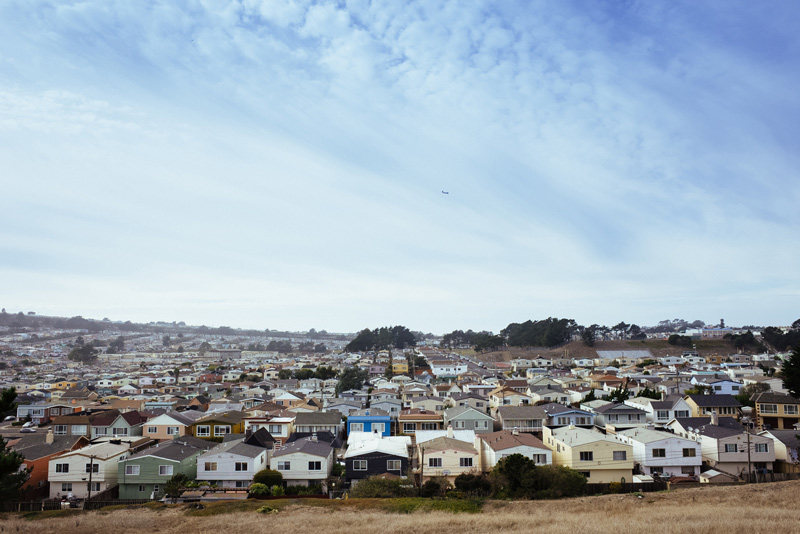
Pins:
x: 143, y: 475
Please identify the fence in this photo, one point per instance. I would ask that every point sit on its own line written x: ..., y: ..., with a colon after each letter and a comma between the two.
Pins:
x: 30, y: 506
x: 96, y: 505
x: 626, y: 487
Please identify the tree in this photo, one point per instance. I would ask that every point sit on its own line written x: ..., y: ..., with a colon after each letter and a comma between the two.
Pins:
x: 269, y: 477
x: 791, y: 373
x: 83, y: 353
x: 589, y: 334
x: 284, y: 374
x: 325, y: 373
x: 116, y: 346
x: 165, y: 340
x: 351, y: 378
x: 12, y: 478
x: 175, y: 485
x: 649, y: 393
x: 7, y: 398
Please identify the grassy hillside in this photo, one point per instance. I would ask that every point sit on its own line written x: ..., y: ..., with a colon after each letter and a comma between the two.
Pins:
x: 764, y: 508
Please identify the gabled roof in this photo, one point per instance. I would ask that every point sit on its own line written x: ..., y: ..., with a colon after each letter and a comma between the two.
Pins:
x: 775, y: 397
x: 444, y: 443
x: 34, y: 446
x: 306, y: 446
x: 618, y: 408
x: 318, y: 418
x: 170, y: 450
x: 711, y: 401
x: 506, y: 439
x: 238, y: 448
x: 466, y: 410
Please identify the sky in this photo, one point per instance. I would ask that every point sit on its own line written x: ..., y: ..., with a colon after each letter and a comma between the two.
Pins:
x: 283, y: 164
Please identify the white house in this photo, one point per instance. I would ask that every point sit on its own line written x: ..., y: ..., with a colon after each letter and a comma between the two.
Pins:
x: 70, y: 472
x: 497, y: 445
x: 662, y: 453
x: 231, y: 464
x: 304, y: 462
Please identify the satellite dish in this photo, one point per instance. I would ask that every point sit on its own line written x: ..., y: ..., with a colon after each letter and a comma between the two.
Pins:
x: 690, y: 429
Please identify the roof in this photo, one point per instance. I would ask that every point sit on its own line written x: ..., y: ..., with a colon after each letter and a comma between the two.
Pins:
x: 34, y: 446
x: 369, y: 412
x: 171, y: 450
x: 521, y: 412
x: 505, y: 439
x: 787, y: 437
x: 775, y: 397
x: 710, y: 401
x: 458, y: 411
x: 318, y: 418
x: 618, y: 408
x: 305, y: 446
x: 580, y: 436
x: 397, y: 446
x: 727, y: 427
x: 615, y: 354
x: 646, y: 435
x: 238, y: 448
x: 443, y: 443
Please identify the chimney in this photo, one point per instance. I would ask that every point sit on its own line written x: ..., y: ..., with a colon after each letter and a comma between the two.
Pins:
x: 314, y: 436
x: 714, y: 418
x: 449, y: 431
x: 49, y: 437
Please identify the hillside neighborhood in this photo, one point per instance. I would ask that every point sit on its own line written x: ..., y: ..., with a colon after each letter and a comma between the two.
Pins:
x: 132, y: 420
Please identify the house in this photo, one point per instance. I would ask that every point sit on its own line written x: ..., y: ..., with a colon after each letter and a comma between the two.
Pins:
x: 392, y: 406
x: 371, y: 420
x: 431, y: 403
x: 447, y: 457
x: 722, y: 405
x: 468, y: 418
x: 343, y: 406
x: 304, y: 462
x: 168, y: 425
x: 39, y: 449
x: 661, y: 412
x: 505, y: 396
x: 497, y: 445
x: 114, y: 423
x: 144, y: 474
x: 779, y: 411
x: 478, y: 402
x: 447, y: 369
x: 600, y: 458
x: 617, y: 416
x: 561, y: 415
x: 415, y: 419
x: 718, y: 384
x: 662, y: 453
x: 319, y: 422
x: 725, y: 446
x: 787, y: 445
x: 279, y: 424
x: 522, y: 418
x: 218, y: 425
x: 371, y: 454
x: 549, y: 393
x: 232, y: 464
x: 91, y: 469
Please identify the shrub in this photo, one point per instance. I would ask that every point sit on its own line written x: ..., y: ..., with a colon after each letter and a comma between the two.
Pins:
x: 278, y: 491
x: 615, y: 487
x: 475, y: 485
x: 436, y: 487
x: 269, y: 477
x: 383, y: 488
x: 259, y: 489
x: 267, y: 510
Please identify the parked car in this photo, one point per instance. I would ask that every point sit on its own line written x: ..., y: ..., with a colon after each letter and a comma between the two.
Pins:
x: 27, y: 430
x: 28, y: 424
x: 9, y: 418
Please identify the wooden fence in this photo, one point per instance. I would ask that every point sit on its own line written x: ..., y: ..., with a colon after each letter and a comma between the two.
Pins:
x: 627, y: 487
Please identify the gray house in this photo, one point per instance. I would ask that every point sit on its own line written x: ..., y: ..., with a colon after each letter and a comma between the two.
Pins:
x: 144, y: 474
x: 468, y: 418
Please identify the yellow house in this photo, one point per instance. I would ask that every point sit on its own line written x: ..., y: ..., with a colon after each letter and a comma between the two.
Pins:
x: 64, y: 384
x: 400, y: 368
x: 217, y: 425
x: 600, y: 458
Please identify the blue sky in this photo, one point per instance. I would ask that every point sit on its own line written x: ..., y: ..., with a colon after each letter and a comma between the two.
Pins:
x: 279, y: 163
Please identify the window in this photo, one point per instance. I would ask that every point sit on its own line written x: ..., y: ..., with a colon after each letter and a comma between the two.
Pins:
x: 681, y: 414
x: 481, y: 425
x: 62, y: 468
x: 459, y: 424
x: 689, y: 453
x: 587, y: 456
x: 155, y: 488
x: 582, y: 421
x: 274, y: 429
x: 465, y: 462
x: 220, y: 430
x: 393, y: 465
x: 659, y: 453
x: 769, y: 408
x: 620, y: 456
x: 434, y: 462
x: 762, y: 447
x: 359, y: 465
x: 284, y: 466
x: 315, y: 466
x: 94, y: 486
x: 656, y: 470
x: 730, y: 447
x: 790, y: 409
x: 210, y: 466
x: 165, y: 470
x: 120, y: 431
x: 379, y: 427
x: 172, y: 430
x: 356, y: 427
x: 430, y: 426
x: 409, y: 428
x: 242, y: 483
x: 717, y: 388
x: 60, y: 430
x: 66, y: 486
x: 687, y: 470
x: 142, y: 488
x: 562, y: 421
x: 152, y: 429
x: 203, y: 431
x: 92, y: 468
x: 101, y: 431
x: 585, y: 473
x: 78, y: 430
x: 240, y: 466
x: 662, y: 414
x: 132, y: 470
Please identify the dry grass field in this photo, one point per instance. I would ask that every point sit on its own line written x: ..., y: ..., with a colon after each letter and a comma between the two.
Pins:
x: 765, y: 508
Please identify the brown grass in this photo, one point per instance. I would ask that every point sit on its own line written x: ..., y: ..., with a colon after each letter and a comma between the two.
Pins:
x: 756, y: 509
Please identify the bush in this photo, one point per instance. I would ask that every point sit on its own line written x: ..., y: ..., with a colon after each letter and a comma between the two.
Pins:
x: 268, y: 477
x: 314, y: 489
x: 267, y: 510
x: 436, y: 487
x: 615, y: 487
x: 474, y: 485
x: 278, y: 491
x: 259, y: 489
x: 383, y: 488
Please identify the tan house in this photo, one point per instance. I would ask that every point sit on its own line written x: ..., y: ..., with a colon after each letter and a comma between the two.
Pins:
x: 600, y: 458
x: 776, y: 411
x: 415, y: 419
x: 447, y: 457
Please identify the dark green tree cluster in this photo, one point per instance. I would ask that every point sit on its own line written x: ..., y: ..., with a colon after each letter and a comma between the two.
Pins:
x: 781, y: 340
x: 83, y: 353
x: 545, y: 333
x: 518, y: 477
x: 791, y: 373
x: 679, y: 340
x: 351, y: 378
x: 283, y: 347
x: 743, y: 340
x: 620, y: 393
x: 385, y: 337
x: 116, y: 346
x: 649, y: 393
x: 12, y: 478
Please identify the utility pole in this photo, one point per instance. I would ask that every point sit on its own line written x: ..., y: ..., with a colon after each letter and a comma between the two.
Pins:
x: 421, y: 469
x: 749, y: 469
x: 91, y: 470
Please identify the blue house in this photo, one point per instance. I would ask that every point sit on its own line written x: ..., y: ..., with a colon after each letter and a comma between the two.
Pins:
x: 371, y: 420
